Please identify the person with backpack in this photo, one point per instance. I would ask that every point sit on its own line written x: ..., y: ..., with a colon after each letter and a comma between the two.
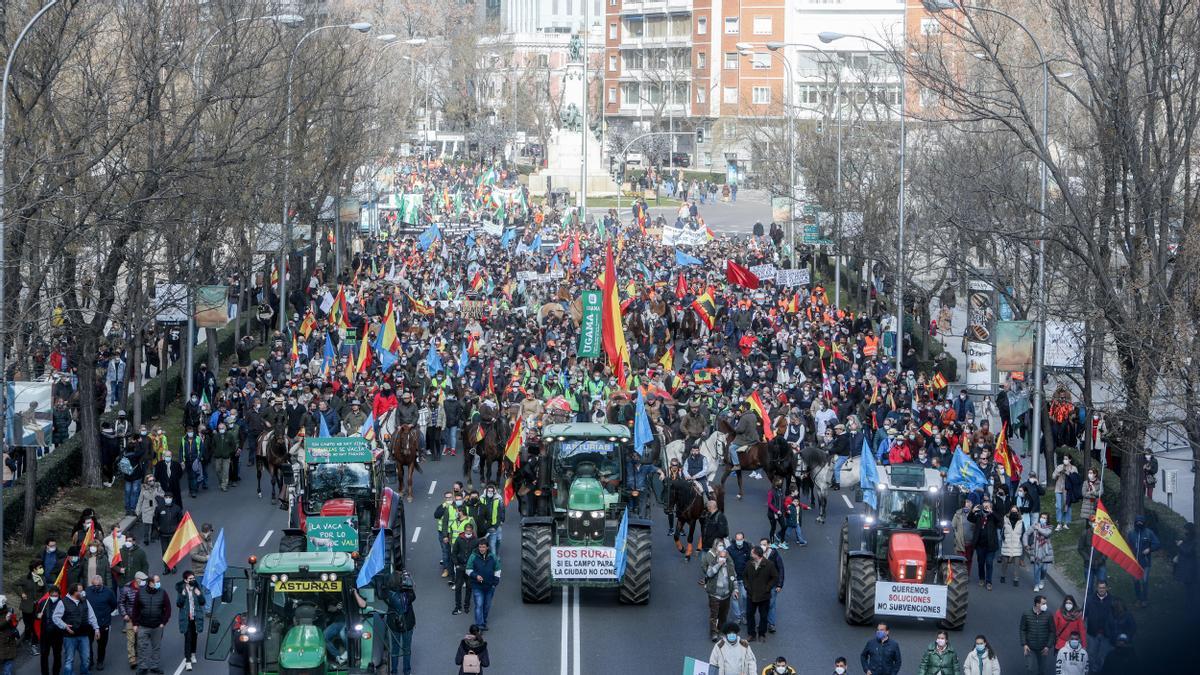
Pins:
x: 472, y: 656
x: 401, y: 620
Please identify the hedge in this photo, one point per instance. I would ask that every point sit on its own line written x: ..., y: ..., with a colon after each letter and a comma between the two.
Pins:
x: 64, y: 466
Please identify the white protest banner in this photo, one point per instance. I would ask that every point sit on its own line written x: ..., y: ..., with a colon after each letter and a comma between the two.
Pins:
x: 527, y: 275
x: 764, y: 272
x: 793, y: 278
x: 558, y: 273
x: 494, y: 229
x: 326, y: 303
x: 904, y: 599
x: 683, y: 236
x: 583, y: 562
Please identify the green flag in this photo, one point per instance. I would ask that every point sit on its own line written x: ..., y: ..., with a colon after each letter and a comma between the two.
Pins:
x: 410, y: 208
x: 589, y: 326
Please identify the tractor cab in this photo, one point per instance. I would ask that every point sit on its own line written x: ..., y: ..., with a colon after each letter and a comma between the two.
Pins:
x: 909, y: 497
x: 587, y: 472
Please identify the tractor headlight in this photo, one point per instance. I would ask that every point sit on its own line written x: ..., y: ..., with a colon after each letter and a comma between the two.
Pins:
x: 598, y: 514
x: 881, y: 486
x: 575, y: 514
x: 933, y: 488
x: 944, y: 523
x: 283, y: 577
x: 358, y: 627
x: 274, y: 578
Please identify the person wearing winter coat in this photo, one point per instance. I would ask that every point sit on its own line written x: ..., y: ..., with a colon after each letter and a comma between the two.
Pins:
x: 167, y: 516
x: 472, y: 643
x: 881, y: 655
x: 720, y: 582
x: 1068, y: 619
x: 1012, y: 548
x: 147, y: 505
x: 940, y: 658
x: 1037, y: 637
x: 964, y: 532
x: 981, y: 660
x: 1040, y: 549
x: 1072, y: 658
x: 103, y: 602
x: 191, y: 602
x: 1091, y: 493
x: 1062, y: 494
x: 732, y: 655
x: 1143, y: 542
x: 987, y: 539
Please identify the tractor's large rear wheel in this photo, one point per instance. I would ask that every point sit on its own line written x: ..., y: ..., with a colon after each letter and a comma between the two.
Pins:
x: 292, y: 543
x: 635, y: 584
x: 957, y: 578
x: 535, y: 563
x: 860, y: 591
x: 843, y: 548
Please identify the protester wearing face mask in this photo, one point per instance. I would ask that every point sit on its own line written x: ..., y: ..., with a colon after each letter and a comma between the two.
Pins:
x: 719, y: 579
x: 169, y: 473
x: 881, y: 655
x: 30, y: 589
x: 104, y: 603
x: 491, y: 507
x: 1012, y: 548
x: 964, y: 532
x: 940, y: 658
x: 1040, y: 548
x: 1143, y: 542
x: 1091, y: 493
x: 192, y: 454
x: 1068, y: 619
x: 732, y: 655
x: 147, y: 507
x: 151, y: 612
x: 125, y: 599
x: 982, y: 660
x: 460, y: 552
x: 225, y: 445
x: 987, y: 539
x: 94, y: 562
x: 1037, y: 638
x: 840, y: 665
x: 778, y: 667
x: 51, y: 638
x: 1072, y: 657
x: 167, y: 516
x: 191, y: 602
x: 75, y: 619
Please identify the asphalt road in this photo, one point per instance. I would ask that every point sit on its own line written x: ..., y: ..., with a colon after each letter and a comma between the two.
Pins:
x: 589, y: 632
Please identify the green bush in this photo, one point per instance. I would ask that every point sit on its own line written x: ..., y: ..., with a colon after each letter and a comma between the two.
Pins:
x: 64, y: 466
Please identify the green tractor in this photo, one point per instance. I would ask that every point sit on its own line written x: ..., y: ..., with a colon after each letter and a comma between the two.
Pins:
x: 339, y: 491
x: 276, y: 614
x: 899, y: 560
x: 588, y: 538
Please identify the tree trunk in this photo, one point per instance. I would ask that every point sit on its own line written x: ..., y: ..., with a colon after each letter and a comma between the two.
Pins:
x: 88, y: 429
x: 30, y: 494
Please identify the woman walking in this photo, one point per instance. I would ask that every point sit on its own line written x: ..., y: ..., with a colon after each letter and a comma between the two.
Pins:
x: 1041, y: 550
x: 472, y: 656
x: 1012, y: 549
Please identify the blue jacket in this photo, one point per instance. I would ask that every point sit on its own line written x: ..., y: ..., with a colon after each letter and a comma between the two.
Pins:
x: 103, y: 602
x: 881, y: 658
x: 487, y: 567
x: 1140, y: 540
x: 181, y: 602
x: 740, y: 556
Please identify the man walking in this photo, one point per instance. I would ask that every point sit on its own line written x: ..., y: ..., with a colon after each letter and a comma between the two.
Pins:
x: 881, y: 656
x: 224, y: 446
x: 773, y: 556
x: 75, y: 618
x: 103, y: 602
x: 761, y: 579
x: 460, y: 553
x: 484, y: 570
x: 720, y: 582
x: 1037, y: 638
x: 739, y: 552
x: 151, y: 611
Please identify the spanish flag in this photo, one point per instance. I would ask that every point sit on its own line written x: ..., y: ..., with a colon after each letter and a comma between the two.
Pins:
x: 116, y: 547
x: 186, y: 538
x: 477, y: 281
x: 387, y: 332
x: 1107, y: 539
x: 668, y: 359
x: 1004, y: 455
x: 756, y: 403
x: 611, y: 330
x: 295, y: 350
x: 308, y: 324
x: 706, y: 308
x: 512, y: 452
x: 364, y: 354
x: 420, y: 307
x: 351, y: 369
x: 938, y: 381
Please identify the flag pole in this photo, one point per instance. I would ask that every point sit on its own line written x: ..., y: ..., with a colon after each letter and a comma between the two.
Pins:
x: 1092, y: 554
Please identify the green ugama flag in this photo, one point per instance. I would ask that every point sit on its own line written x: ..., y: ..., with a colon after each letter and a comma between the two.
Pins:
x: 589, y: 327
x: 410, y: 208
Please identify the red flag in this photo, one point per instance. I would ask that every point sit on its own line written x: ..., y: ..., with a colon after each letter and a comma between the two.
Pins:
x: 1004, y: 456
x: 611, y: 331
x: 680, y: 287
x: 576, y: 254
x: 736, y: 274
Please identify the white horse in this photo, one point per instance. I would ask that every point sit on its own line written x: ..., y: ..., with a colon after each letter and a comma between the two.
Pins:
x: 387, y: 425
x: 822, y: 476
x: 712, y: 447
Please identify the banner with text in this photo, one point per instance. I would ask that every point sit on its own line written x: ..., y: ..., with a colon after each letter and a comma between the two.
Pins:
x: 331, y: 533
x: 792, y: 278
x: 583, y: 562
x: 764, y: 272
x: 683, y: 236
x: 589, y: 326
x: 904, y: 599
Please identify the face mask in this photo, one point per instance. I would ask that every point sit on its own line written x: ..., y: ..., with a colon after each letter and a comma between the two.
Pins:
x: 1074, y: 644
x: 840, y: 670
x: 144, y: 432
x: 1069, y: 606
x: 168, y: 501
x: 51, y: 549
x: 781, y: 669
x: 190, y: 434
x: 458, y: 502
x: 720, y: 549
x: 941, y: 642
x: 73, y: 558
x: 141, y: 582
x: 91, y: 549
x: 981, y: 648
x: 880, y: 635
x: 129, y: 544
x: 731, y: 637
x: 1044, y: 521
x: 1044, y: 606
x: 191, y: 582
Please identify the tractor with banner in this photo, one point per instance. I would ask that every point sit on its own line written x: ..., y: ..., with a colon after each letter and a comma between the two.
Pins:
x: 898, y: 559
x: 339, y: 490
x: 585, y: 535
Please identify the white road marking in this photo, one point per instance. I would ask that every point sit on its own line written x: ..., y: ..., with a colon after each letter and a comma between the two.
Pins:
x: 565, y: 646
x: 432, y: 487
x: 416, y: 533
x: 265, y: 538
x: 179, y: 669
x: 575, y: 629
x: 849, y: 504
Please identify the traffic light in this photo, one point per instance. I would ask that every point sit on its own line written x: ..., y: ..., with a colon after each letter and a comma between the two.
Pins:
x: 700, y: 135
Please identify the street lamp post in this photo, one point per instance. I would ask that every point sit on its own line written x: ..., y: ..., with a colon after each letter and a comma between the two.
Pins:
x: 289, y: 20
x: 12, y: 53
x: 827, y: 37
x: 285, y: 247
x: 1040, y: 350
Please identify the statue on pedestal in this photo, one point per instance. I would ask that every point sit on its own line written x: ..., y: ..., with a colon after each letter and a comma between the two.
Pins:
x: 575, y: 49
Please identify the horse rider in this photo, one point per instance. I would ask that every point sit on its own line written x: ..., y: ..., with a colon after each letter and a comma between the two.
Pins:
x: 841, y: 449
x: 697, y: 468
x: 355, y: 419
x: 694, y: 425
x: 745, y: 433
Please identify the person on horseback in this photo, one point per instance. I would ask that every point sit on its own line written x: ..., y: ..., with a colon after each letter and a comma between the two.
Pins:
x: 841, y: 448
x: 745, y: 433
x: 694, y: 425
x: 697, y: 469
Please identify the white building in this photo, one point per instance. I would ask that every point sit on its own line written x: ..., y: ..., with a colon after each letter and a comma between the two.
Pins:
x: 540, y: 16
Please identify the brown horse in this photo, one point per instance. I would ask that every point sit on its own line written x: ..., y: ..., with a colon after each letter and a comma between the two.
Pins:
x: 687, y: 507
x: 271, y: 452
x: 754, y: 458
x: 484, y: 439
x: 406, y: 447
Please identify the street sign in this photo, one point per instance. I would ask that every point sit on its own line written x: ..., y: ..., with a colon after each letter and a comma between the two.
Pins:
x: 332, y: 533
x: 812, y: 236
x: 351, y: 450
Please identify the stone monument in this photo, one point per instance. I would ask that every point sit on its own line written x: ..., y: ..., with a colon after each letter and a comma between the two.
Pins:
x: 565, y: 155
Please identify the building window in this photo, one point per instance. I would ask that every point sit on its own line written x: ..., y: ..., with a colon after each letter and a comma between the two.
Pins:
x: 729, y: 95
x: 731, y: 60
x: 612, y: 94
x: 701, y: 60
x: 760, y: 95
x: 612, y: 62
x: 761, y: 60
x: 612, y: 3
x: 731, y: 25
x: 543, y: 60
x: 702, y: 26
x: 762, y: 25
x: 930, y: 26
x: 612, y: 31
x: 700, y: 97
x: 811, y: 95
x: 929, y: 97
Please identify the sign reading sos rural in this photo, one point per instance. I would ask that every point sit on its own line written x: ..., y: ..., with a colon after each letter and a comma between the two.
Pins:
x: 583, y: 562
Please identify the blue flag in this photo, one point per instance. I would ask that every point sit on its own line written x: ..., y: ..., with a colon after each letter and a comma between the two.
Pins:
x: 507, y: 237
x: 554, y: 262
x: 471, y: 240
x: 536, y: 245
x: 683, y: 260
x: 433, y: 362
x: 386, y: 358
x: 885, y: 447
x: 324, y: 430
x: 214, y: 571
x: 868, y: 476
x: 427, y: 237
x: 329, y: 355
x: 562, y: 379
x: 587, y: 262
x: 622, y: 537
x: 463, y: 359
x: 642, y: 433
x: 965, y: 472
x: 374, y: 563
